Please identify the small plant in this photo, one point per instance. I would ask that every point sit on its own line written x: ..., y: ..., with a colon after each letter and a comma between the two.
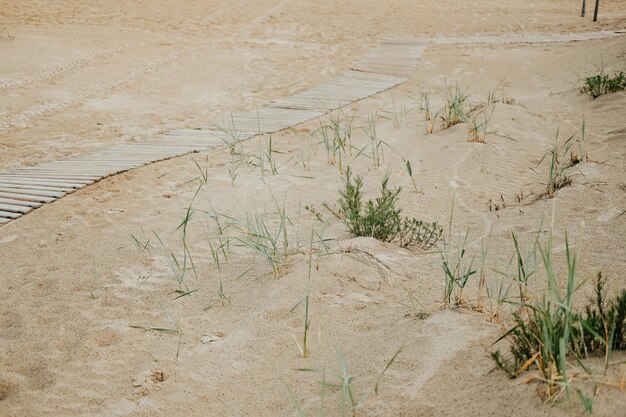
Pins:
x: 396, y: 115
x: 429, y: 118
x: 348, y: 402
x: 409, y: 170
x: 175, y: 327
x: 231, y: 138
x: 376, y: 144
x: 304, y: 156
x: 220, y: 244
x: 347, y: 397
x: 233, y: 173
x: 380, y: 218
x: 602, y: 83
x: 525, y: 264
x: 544, y: 331
x: 266, y: 155
x: 337, y: 137
x: 492, y: 97
x: 342, y: 382
x: 221, y: 294
x: 603, y: 324
x: 557, y: 177
x: 271, y: 243
x: 457, y: 268
x: 179, y: 270
x: 418, y: 233
x: 415, y: 308
x: 581, y: 154
x: 304, y: 351
x: 425, y: 104
x: 454, y: 110
x: 497, y: 291
x: 477, y: 129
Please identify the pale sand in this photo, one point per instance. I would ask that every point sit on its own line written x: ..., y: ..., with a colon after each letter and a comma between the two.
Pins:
x: 81, y: 76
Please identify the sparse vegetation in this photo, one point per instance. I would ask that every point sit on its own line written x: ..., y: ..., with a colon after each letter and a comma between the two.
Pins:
x: 492, y: 96
x: 303, y: 347
x: 455, y: 107
x: 337, y: 137
x: 429, y: 118
x: 398, y: 116
x: 265, y: 160
x: 376, y: 144
x: 603, y: 323
x: 267, y: 240
x: 603, y: 83
x: 409, y: 170
x: 542, y: 334
x: 477, y: 127
x: 558, y: 165
x: 175, y: 327
x: 458, y: 268
x: 341, y: 383
x: 380, y: 218
x: 548, y: 332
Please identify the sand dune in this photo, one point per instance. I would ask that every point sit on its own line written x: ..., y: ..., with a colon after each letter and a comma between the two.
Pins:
x: 83, y: 278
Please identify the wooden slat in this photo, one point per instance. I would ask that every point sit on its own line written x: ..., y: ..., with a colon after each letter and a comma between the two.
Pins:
x: 10, y: 215
x: 44, y: 180
x: 17, y: 195
x: 4, y: 221
x: 14, y: 202
x: 49, y: 175
x: 15, y: 208
x: 21, y: 189
x: 43, y: 183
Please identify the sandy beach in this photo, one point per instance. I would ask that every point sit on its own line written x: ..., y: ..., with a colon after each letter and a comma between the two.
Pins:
x: 140, y: 295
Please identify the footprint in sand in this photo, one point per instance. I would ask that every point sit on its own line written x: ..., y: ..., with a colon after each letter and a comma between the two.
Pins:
x: 147, y: 382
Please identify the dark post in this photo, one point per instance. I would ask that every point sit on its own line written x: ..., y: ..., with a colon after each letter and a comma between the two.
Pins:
x: 595, y: 12
x: 582, y: 13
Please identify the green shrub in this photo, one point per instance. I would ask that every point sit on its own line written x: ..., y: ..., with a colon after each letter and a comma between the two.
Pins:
x: 603, y: 324
x: 380, y: 218
x: 602, y: 83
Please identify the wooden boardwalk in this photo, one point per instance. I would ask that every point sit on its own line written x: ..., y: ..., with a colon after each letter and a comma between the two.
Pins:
x: 390, y: 64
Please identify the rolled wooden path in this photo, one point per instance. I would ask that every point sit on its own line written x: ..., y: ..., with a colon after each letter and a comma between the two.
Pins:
x: 390, y: 64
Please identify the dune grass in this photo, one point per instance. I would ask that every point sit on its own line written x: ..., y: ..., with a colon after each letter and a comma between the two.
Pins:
x: 560, y: 159
x: 543, y: 331
x: 549, y: 334
x: 336, y: 136
x: 303, y: 346
x: 455, y: 107
x: 268, y: 238
x: 341, y: 383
